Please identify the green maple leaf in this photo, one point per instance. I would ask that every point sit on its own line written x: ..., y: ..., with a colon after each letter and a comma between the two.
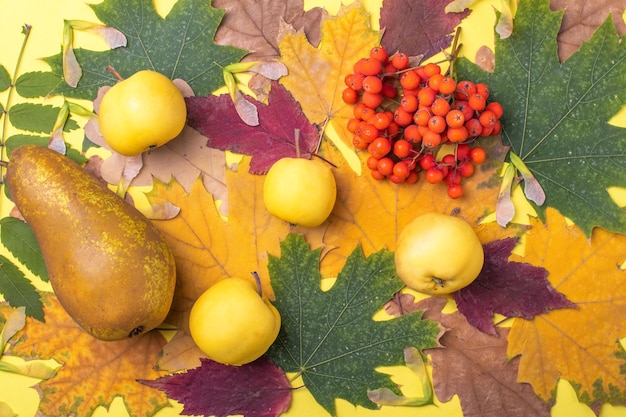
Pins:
x: 556, y: 114
x: 180, y: 46
x: 329, y: 337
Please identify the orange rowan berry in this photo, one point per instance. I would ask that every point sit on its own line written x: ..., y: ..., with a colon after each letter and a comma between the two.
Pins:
x: 372, y: 84
x: 353, y: 124
x: 354, y: 81
x: 464, y: 107
x: 377, y: 175
x: 431, y: 69
x: 440, y: 107
x: 349, y: 96
x: 400, y: 61
x: 359, y: 142
x: 434, y: 81
x: 477, y: 102
x: 455, y: 191
x: 389, y: 91
x: 409, y: 103
x: 412, y: 133
x: 412, y: 178
x: 496, y: 108
x: 370, y: 66
x: 402, y: 148
x: 431, y: 139
x: 426, y: 96
x: 464, y: 89
x: 437, y: 124
x: 402, y: 117
x: 457, y: 134
x: 478, y: 155
x: 487, y: 118
x: 381, y: 120
x: 474, y: 128
x: 380, y: 54
x: 483, y: 89
x: 422, y: 116
x: 455, y: 118
x: 447, y: 86
x: 385, y: 166
x: 409, y: 80
x: 372, y: 100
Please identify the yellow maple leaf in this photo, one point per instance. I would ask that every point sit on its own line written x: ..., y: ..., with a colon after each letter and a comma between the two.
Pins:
x: 580, y: 345
x: 93, y: 372
x: 316, y: 74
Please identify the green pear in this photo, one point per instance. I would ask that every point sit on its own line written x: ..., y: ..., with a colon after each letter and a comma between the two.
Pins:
x: 108, y: 265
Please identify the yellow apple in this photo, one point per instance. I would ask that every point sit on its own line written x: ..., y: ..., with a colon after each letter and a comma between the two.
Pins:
x: 438, y: 254
x: 141, y: 112
x: 232, y: 323
x: 300, y: 191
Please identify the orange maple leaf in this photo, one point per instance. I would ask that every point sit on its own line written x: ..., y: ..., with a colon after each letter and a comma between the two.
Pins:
x: 580, y: 345
x: 209, y: 248
x: 372, y: 213
x: 93, y: 372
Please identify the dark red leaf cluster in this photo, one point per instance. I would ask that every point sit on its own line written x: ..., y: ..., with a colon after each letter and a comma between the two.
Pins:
x: 274, y: 138
x: 257, y: 389
x: 513, y: 289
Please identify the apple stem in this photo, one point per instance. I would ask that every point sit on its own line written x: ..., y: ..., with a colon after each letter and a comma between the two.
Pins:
x: 438, y: 281
x: 114, y: 72
x: 257, y: 279
x: 296, y: 136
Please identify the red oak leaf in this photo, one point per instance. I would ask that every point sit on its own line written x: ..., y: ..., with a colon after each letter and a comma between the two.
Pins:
x: 418, y: 27
x: 257, y: 389
x: 513, y: 289
x: 274, y: 138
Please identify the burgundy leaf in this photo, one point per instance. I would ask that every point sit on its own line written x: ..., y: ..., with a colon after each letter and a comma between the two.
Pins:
x: 513, y: 289
x: 418, y: 27
x: 274, y: 138
x: 257, y: 389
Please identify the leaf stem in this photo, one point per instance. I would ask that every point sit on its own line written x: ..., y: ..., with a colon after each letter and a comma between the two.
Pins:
x: 5, y: 123
x: 113, y: 71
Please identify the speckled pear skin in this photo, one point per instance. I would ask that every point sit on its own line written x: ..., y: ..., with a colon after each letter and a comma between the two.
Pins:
x: 108, y: 265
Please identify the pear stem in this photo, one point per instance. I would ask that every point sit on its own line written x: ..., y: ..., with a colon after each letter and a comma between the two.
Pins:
x: 257, y: 279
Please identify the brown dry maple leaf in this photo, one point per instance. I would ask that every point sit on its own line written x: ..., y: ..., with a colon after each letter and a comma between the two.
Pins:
x: 580, y: 345
x: 474, y: 366
x: 93, y: 372
x: 254, y: 25
x: 582, y: 18
x: 418, y: 28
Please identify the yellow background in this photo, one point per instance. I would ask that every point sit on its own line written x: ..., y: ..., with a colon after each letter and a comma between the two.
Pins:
x: 46, y: 18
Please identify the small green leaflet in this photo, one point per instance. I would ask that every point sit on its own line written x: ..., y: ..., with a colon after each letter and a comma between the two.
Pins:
x: 19, y: 239
x: 556, y: 114
x: 330, y: 337
x: 5, y: 78
x: 18, y: 290
x: 36, y: 84
x: 35, y: 117
x: 179, y: 46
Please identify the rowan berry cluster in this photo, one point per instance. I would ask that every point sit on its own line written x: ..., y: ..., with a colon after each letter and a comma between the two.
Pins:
x: 404, y: 115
